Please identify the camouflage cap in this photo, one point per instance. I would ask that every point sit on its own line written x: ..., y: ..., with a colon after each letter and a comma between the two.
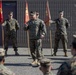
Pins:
x: 61, y: 11
x: 32, y: 13
x: 45, y: 62
x: 2, y: 52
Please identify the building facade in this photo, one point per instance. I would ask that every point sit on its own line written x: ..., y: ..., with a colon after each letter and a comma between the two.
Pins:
x: 18, y: 7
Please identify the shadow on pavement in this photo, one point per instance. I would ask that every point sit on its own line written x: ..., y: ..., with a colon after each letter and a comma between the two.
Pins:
x: 17, y: 64
x: 59, y: 58
x: 16, y: 55
x: 57, y: 62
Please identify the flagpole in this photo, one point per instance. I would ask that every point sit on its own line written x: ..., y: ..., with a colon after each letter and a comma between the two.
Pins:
x: 2, y: 37
x: 47, y: 22
x: 51, y: 41
x: 28, y: 42
x: 26, y: 20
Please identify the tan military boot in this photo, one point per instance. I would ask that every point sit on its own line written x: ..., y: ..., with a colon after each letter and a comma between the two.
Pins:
x: 34, y: 63
x: 38, y: 63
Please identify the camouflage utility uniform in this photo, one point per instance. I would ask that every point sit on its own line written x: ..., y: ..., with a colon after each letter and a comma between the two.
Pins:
x: 36, y: 29
x: 61, y: 33
x: 68, y: 67
x: 48, y: 73
x: 10, y: 32
x: 5, y: 71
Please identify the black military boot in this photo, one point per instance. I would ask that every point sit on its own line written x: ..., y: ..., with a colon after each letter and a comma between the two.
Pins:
x: 6, y: 49
x: 16, y: 53
x: 65, y: 54
x: 54, y: 54
x: 5, y: 52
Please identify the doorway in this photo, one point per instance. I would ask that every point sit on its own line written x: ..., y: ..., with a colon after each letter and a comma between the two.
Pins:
x: 8, y: 6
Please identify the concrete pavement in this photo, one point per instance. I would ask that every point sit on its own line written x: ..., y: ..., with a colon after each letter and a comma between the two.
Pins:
x: 21, y: 64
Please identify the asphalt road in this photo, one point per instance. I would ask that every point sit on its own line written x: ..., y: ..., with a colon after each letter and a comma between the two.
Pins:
x: 20, y: 65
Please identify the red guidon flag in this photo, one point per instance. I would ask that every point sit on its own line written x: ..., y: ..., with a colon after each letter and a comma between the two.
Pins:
x: 26, y: 14
x: 47, y: 16
x: 1, y: 13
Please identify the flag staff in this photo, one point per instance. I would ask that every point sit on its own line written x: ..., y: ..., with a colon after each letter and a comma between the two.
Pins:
x: 26, y: 20
x: 2, y: 37
x: 47, y: 22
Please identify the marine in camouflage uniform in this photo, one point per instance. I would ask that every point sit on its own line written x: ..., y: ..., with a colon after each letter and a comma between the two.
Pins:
x: 3, y: 69
x: 61, y: 33
x: 11, y: 26
x: 37, y: 31
x: 69, y: 67
x: 45, y: 66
